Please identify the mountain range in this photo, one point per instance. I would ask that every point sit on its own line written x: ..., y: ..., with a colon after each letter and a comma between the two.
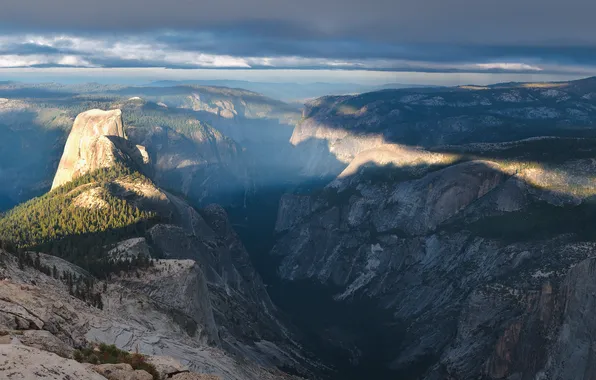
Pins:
x: 291, y: 92
x: 419, y: 233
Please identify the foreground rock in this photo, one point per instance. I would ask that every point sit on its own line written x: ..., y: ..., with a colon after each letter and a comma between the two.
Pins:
x: 142, y: 311
x: 46, y: 341
x: 121, y: 372
x: 28, y: 363
x: 167, y: 366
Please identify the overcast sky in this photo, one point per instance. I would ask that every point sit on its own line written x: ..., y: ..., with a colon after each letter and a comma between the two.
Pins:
x: 528, y: 38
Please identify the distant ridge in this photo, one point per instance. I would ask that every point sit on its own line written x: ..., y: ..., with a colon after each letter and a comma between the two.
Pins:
x: 288, y: 91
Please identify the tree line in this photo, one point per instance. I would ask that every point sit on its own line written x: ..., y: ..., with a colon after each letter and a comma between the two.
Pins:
x: 52, y: 224
x: 79, y: 285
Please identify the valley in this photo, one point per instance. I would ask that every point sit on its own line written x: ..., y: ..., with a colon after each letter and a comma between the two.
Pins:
x: 416, y: 233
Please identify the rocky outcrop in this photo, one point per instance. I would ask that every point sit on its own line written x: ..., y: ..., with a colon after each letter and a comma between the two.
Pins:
x: 131, y: 248
x: 121, y: 371
x: 46, y: 341
x: 157, y: 312
x: 413, y: 162
x: 97, y: 140
x: 166, y: 366
x: 28, y: 363
x: 178, y: 289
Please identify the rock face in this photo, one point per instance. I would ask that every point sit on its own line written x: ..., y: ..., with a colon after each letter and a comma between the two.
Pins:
x: 475, y: 269
x: 249, y: 324
x: 97, y: 140
x: 206, y: 166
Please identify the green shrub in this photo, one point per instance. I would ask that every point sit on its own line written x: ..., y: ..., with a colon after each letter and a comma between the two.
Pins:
x: 110, y: 354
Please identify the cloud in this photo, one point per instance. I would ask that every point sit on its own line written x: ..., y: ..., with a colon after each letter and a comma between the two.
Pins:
x: 73, y: 60
x: 508, y: 66
x: 429, y: 36
x: 20, y: 61
x: 192, y: 50
x: 532, y: 37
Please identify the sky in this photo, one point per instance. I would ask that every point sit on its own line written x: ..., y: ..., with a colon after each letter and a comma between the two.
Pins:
x: 406, y: 41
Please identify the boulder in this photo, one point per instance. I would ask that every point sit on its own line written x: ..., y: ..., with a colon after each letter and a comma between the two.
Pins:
x: 121, y: 371
x: 166, y: 366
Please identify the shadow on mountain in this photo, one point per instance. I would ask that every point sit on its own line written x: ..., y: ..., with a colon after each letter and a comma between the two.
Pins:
x: 275, y: 169
x: 427, y: 129
x: 339, y: 330
x: 539, y: 221
x: 459, y: 115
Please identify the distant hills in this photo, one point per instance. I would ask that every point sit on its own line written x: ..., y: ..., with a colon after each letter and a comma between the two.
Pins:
x: 292, y: 92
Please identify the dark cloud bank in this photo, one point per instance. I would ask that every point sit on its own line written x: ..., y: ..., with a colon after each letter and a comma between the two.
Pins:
x: 401, y: 35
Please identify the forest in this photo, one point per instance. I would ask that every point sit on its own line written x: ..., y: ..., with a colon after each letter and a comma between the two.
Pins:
x: 53, y: 225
